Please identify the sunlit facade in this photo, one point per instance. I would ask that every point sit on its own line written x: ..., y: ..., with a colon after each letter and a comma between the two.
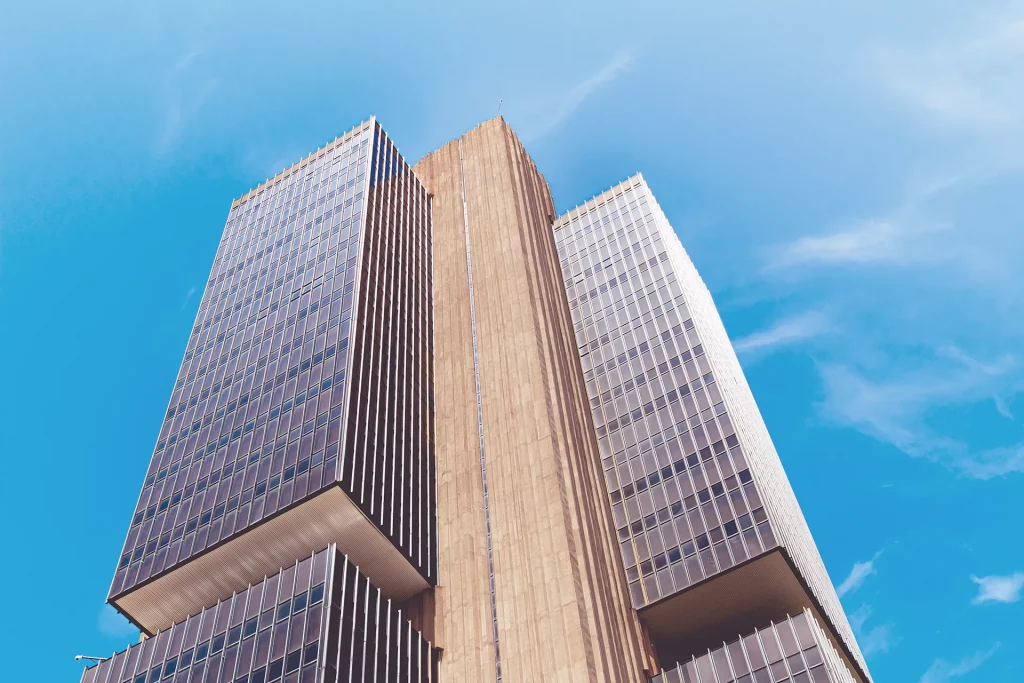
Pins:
x: 696, y: 487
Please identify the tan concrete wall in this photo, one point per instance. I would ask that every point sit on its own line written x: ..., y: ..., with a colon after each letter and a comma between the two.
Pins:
x: 562, y: 608
x: 463, y: 612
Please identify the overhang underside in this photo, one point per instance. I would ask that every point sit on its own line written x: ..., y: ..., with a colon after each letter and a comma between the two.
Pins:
x: 763, y: 589
x: 309, y: 526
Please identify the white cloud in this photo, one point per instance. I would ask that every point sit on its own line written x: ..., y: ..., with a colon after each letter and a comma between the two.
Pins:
x: 895, y: 409
x: 1003, y: 407
x: 992, y: 369
x: 994, y: 462
x: 998, y: 588
x: 184, y: 93
x: 906, y: 235
x: 112, y: 624
x: 969, y: 81
x: 857, y: 575
x: 942, y: 671
x: 933, y: 87
x: 567, y: 105
x: 783, y: 333
x: 858, y: 618
x: 931, y: 284
x: 876, y: 639
x: 966, y: 81
x: 871, y: 240
x: 188, y: 297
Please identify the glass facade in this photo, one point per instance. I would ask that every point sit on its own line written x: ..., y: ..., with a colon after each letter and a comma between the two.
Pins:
x: 695, y: 484
x: 317, y: 621
x: 303, y: 417
x: 387, y: 465
x: 794, y: 650
x: 683, y: 497
x: 313, y: 334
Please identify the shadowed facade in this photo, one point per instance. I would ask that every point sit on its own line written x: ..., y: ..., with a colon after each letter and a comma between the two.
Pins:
x: 710, y: 532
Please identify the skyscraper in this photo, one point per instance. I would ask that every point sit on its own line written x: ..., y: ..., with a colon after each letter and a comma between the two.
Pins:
x: 317, y: 620
x: 713, y: 541
x: 796, y: 648
x: 302, y: 414
x: 425, y: 430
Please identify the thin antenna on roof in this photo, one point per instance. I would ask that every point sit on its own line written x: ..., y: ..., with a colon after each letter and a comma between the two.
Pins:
x: 499, y: 105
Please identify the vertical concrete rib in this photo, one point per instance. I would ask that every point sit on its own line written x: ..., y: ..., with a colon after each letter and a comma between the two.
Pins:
x: 480, y: 419
x: 540, y: 561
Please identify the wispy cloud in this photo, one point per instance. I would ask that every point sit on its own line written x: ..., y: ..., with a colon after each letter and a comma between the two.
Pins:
x: 991, y: 369
x: 998, y: 588
x: 857, y: 575
x: 112, y: 624
x: 869, y: 241
x: 571, y: 100
x: 967, y: 85
x: 894, y: 410
x: 942, y: 671
x: 931, y: 83
x: 931, y: 282
x: 185, y: 90
x: 783, y: 333
x: 969, y: 82
x: 188, y: 297
x: 903, y: 236
x: 992, y: 462
x: 1002, y: 407
x: 877, y: 639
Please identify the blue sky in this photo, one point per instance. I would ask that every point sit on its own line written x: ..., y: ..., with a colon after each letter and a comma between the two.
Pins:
x: 848, y: 180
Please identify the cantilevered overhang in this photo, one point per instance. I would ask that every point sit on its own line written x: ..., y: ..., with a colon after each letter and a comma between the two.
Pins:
x: 297, y: 531
x: 763, y: 589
